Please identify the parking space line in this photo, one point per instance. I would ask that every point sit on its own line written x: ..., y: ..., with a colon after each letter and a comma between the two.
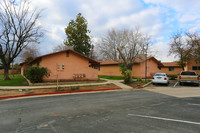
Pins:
x: 194, y: 104
x: 175, y: 84
x: 165, y: 119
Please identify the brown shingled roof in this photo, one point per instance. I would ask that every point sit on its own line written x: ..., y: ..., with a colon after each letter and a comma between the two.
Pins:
x: 170, y: 64
x: 137, y: 60
x: 90, y: 60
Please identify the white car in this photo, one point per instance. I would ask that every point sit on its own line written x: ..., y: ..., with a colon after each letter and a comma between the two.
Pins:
x: 160, y: 78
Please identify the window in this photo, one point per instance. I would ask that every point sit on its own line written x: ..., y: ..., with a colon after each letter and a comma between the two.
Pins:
x: 159, y: 74
x: 58, y: 67
x: 63, y: 66
x: 171, y: 68
x: 195, y: 67
x: 188, y: 73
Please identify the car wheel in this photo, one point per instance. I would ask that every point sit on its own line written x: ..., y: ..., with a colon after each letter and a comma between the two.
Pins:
x: 154, y: 83
x: 197, y: 84
x: 180, y: 84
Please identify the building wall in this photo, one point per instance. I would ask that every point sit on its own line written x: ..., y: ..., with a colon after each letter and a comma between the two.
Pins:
x: 73, y: 65
x: 24, y: 66
x: 190, y: 64
x: 110, y: 70
x: 138, y: 70
x: 114, y: 70
x: 177, y: 70
x: 152, y: 68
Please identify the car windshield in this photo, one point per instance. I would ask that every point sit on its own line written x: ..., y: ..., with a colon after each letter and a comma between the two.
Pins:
x: 188, y: 73
x: 159, y: 74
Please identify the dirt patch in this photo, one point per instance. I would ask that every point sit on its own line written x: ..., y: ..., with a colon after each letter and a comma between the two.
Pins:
x: 26, y: 91
x: 68, y: 82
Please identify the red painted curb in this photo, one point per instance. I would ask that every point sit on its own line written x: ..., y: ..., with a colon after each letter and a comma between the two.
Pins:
x: 139, y: 87
x: 59, y: 92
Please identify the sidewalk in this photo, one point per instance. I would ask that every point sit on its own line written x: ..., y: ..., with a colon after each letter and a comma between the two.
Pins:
x: 116, y: 82
x: 180, y: 92
x: 119, y: 84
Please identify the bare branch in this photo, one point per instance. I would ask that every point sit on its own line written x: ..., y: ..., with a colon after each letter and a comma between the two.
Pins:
x: 18, y: 28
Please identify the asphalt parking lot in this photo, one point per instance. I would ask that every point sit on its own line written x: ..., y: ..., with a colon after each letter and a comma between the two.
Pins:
x: 172, y: 83
x: 137, y: 111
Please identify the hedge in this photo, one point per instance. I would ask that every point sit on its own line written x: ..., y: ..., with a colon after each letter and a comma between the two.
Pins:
x: 172, y: 76
x: 36, y: 74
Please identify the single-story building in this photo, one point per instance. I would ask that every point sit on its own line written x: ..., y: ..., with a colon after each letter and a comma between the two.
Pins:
x: 111, y: 67
x: 66, y: 65
x: 171, y: 68
x: 192, y: 65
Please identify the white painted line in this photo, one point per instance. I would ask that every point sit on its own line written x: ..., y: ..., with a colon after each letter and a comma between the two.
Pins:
x: 175, y: 84
x: 165, y: 119
x: 194, y: 104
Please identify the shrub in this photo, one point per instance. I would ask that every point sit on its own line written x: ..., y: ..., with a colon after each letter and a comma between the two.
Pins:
x: 138, y: 84
x: 126, y: 72
x: 172, y: 76
x: 147, y: 80
x: 139, y: 79
x: 35, y: 74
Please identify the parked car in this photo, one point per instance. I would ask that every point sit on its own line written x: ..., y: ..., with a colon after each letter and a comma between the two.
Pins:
x: 160, y: 78
x: 188, y: 77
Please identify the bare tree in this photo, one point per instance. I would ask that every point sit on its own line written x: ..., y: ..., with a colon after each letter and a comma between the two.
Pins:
x: 61, y: 47
x: 126, y: 45
x: 19, y: 27
x: 107, y: 46
x: 180, y: 47
x: 194, y: 43
x: 29, y: 51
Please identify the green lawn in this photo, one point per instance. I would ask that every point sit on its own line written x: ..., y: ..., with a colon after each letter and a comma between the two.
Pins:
x: 112, y: 77
x: 17, y: 80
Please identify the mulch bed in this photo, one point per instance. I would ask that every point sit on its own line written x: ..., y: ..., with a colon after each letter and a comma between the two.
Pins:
x: 68, y: 82
x: 33, y: 91
x: 137, y: 84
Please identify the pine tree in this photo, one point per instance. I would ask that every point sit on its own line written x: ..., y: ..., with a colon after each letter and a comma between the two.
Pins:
x: 77, y: 35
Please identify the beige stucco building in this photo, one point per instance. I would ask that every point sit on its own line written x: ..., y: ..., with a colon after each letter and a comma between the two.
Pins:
x: 66, y: 65
x: 111, y: 68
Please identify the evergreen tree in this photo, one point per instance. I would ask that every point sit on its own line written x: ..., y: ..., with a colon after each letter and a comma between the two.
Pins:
x: 77, y: 35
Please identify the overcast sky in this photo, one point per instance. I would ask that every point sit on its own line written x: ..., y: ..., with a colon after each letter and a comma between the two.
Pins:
x: 158, y: 18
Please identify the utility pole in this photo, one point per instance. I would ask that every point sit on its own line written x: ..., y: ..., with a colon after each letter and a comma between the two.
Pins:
x: 146, y: 66
x: 146, y: 61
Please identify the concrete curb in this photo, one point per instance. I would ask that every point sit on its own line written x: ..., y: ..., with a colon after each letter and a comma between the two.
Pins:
x: 144, y: 85
x: 61, y: 92
x: 147, y: 84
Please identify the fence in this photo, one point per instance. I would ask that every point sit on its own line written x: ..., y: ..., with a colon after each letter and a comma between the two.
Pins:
x: 10, y: 72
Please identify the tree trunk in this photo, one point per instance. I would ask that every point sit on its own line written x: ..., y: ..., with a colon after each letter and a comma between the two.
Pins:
x: 130, y: 78
x: 183, y: 68
x: 6, y: 74
x: 129, y: 75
